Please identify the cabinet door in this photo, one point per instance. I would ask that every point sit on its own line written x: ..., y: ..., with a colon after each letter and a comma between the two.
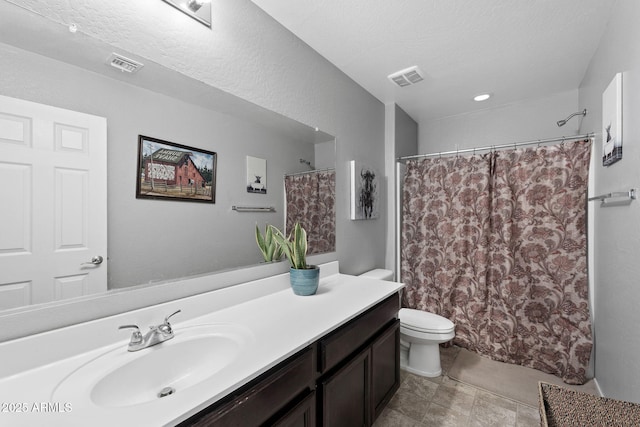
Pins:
x: 385, y: 367
x: 346, y: 399
x: 263, y: 398
x: 302, y: 415
x: 340, y: 344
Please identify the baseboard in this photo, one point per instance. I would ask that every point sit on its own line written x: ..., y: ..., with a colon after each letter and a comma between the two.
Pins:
x: 595, y: 381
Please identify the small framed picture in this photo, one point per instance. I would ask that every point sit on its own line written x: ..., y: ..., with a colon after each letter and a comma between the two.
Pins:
x: 171, y: 171
x: 256, y: 175
x: 612, y: 122
x: 365, y: 193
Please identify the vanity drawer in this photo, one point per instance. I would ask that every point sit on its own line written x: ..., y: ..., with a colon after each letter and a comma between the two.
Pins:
x: 348, y: 338
x: 265, y: 396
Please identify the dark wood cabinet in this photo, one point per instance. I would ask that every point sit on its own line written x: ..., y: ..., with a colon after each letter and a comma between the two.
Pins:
x: 346, y: 394
x: 385, y: 368
x: 344, y: 379
x: 360, y: 367
x: 263, y: 398
x: 301, y: 415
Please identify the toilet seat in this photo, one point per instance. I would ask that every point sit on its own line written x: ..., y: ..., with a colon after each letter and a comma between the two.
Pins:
x: 425, y: 322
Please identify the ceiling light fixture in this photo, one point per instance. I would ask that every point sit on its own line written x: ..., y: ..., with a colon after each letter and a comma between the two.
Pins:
x: 200, y: 10
x: 195, y: 5
x: 482, y: 97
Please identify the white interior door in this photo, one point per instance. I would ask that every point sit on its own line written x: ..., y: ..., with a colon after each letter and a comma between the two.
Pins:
x: 53, y: 203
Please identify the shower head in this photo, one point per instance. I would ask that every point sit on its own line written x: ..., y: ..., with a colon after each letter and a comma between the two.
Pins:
x: 306, y: 162
x: 561, y: 123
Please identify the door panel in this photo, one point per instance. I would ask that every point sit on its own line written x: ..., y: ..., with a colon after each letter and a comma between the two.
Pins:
x: 53, y: 189
x: 346, y: 394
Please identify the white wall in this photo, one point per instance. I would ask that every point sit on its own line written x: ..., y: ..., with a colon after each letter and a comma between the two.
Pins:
x: 502, y: 124
x: 617, y: 234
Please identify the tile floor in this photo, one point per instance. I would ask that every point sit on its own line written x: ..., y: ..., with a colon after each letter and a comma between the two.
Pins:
x: 422, y: 402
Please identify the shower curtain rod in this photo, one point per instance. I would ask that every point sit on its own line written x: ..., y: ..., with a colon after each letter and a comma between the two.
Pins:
x: 495, y: 147
x: 306, y: 172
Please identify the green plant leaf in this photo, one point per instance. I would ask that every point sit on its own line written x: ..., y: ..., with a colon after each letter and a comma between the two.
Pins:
x: 294, y: 246
x: 268, y: 246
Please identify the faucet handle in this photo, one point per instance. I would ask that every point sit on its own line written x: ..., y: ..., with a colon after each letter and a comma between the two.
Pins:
x: 166, y: 326
x: 136, y: 336
x: 166, y: 319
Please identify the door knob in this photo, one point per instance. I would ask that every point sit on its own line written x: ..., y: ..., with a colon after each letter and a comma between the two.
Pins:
x: 96, y: 260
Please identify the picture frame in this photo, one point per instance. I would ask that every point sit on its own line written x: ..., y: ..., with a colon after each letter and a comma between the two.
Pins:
x: 170, y: 171
x: 365, y: 191
x: 612, y: 122
x: 256, y: 175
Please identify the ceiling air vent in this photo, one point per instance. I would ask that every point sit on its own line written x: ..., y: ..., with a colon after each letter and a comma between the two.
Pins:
x: 124, y: 64
x: 407, y: 77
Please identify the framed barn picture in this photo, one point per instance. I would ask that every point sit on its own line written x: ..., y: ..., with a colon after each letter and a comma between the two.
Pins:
x: 171, y: 171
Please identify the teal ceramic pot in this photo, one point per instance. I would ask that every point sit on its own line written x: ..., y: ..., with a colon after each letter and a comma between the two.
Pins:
x: 305, y: 282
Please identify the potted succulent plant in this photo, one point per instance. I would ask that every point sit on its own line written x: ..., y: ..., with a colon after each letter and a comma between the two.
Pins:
x: 268, y: 245
x: 304, y: 278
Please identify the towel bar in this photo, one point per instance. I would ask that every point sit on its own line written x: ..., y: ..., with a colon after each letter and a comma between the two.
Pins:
x: 604, y: 198
x: 253, y: 208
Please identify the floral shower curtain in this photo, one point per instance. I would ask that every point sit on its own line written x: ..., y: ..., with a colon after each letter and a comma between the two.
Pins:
x: 310, y: 199
x: 497, y: 244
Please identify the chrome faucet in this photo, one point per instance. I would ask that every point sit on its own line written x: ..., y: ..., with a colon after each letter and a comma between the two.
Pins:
x: 156, y: 334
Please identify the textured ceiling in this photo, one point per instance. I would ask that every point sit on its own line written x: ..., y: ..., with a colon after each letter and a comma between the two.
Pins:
x: 514, y: 49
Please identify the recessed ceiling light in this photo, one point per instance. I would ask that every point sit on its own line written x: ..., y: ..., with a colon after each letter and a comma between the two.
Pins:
x: 482, y: 97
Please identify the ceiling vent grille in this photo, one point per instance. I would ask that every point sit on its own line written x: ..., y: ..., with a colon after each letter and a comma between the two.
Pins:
x: 124, y: 64
x: 407, y: 77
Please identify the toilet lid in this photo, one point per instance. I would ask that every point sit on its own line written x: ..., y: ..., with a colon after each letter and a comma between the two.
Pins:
x: 423, y: 321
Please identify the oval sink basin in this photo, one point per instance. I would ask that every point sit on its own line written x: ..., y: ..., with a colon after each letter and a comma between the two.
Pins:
x: 121, y: 378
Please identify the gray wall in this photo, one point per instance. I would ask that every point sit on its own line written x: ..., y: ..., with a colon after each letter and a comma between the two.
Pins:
x: 617, y: 234
x: 502, y: 124
x: 401, y: 135
x: 406, y: 134
x: 248, y: 54
x: 152, y: 240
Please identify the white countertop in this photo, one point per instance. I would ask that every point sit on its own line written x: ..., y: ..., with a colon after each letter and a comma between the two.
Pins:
x: 280, y: 323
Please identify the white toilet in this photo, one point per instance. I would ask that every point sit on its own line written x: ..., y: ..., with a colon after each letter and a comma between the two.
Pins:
x: 420, y: 335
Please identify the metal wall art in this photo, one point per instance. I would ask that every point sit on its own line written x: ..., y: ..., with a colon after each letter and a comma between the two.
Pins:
x: 365, y: 191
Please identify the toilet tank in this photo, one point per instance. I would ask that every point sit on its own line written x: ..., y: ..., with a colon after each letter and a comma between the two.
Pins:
x: 379, y: 273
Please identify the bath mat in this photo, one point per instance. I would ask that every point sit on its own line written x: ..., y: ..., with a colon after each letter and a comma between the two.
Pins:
x: 561, y: 407
x: 513, y: 382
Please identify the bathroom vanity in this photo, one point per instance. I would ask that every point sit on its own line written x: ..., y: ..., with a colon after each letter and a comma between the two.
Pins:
x: 252, y: 354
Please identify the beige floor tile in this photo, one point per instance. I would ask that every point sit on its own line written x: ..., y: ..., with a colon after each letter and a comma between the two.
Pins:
x: 527, y: 416
x: 455, y: 395
x: 392, y: 418
x: 485, y: 398
x: 493, y: 416
x: 420, y: 386
x: 409, y: 404
x: 440, y: 416
x: 443, y: 402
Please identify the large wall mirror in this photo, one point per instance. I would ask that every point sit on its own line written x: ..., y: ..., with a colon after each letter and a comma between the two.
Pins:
x: 155, y: 241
